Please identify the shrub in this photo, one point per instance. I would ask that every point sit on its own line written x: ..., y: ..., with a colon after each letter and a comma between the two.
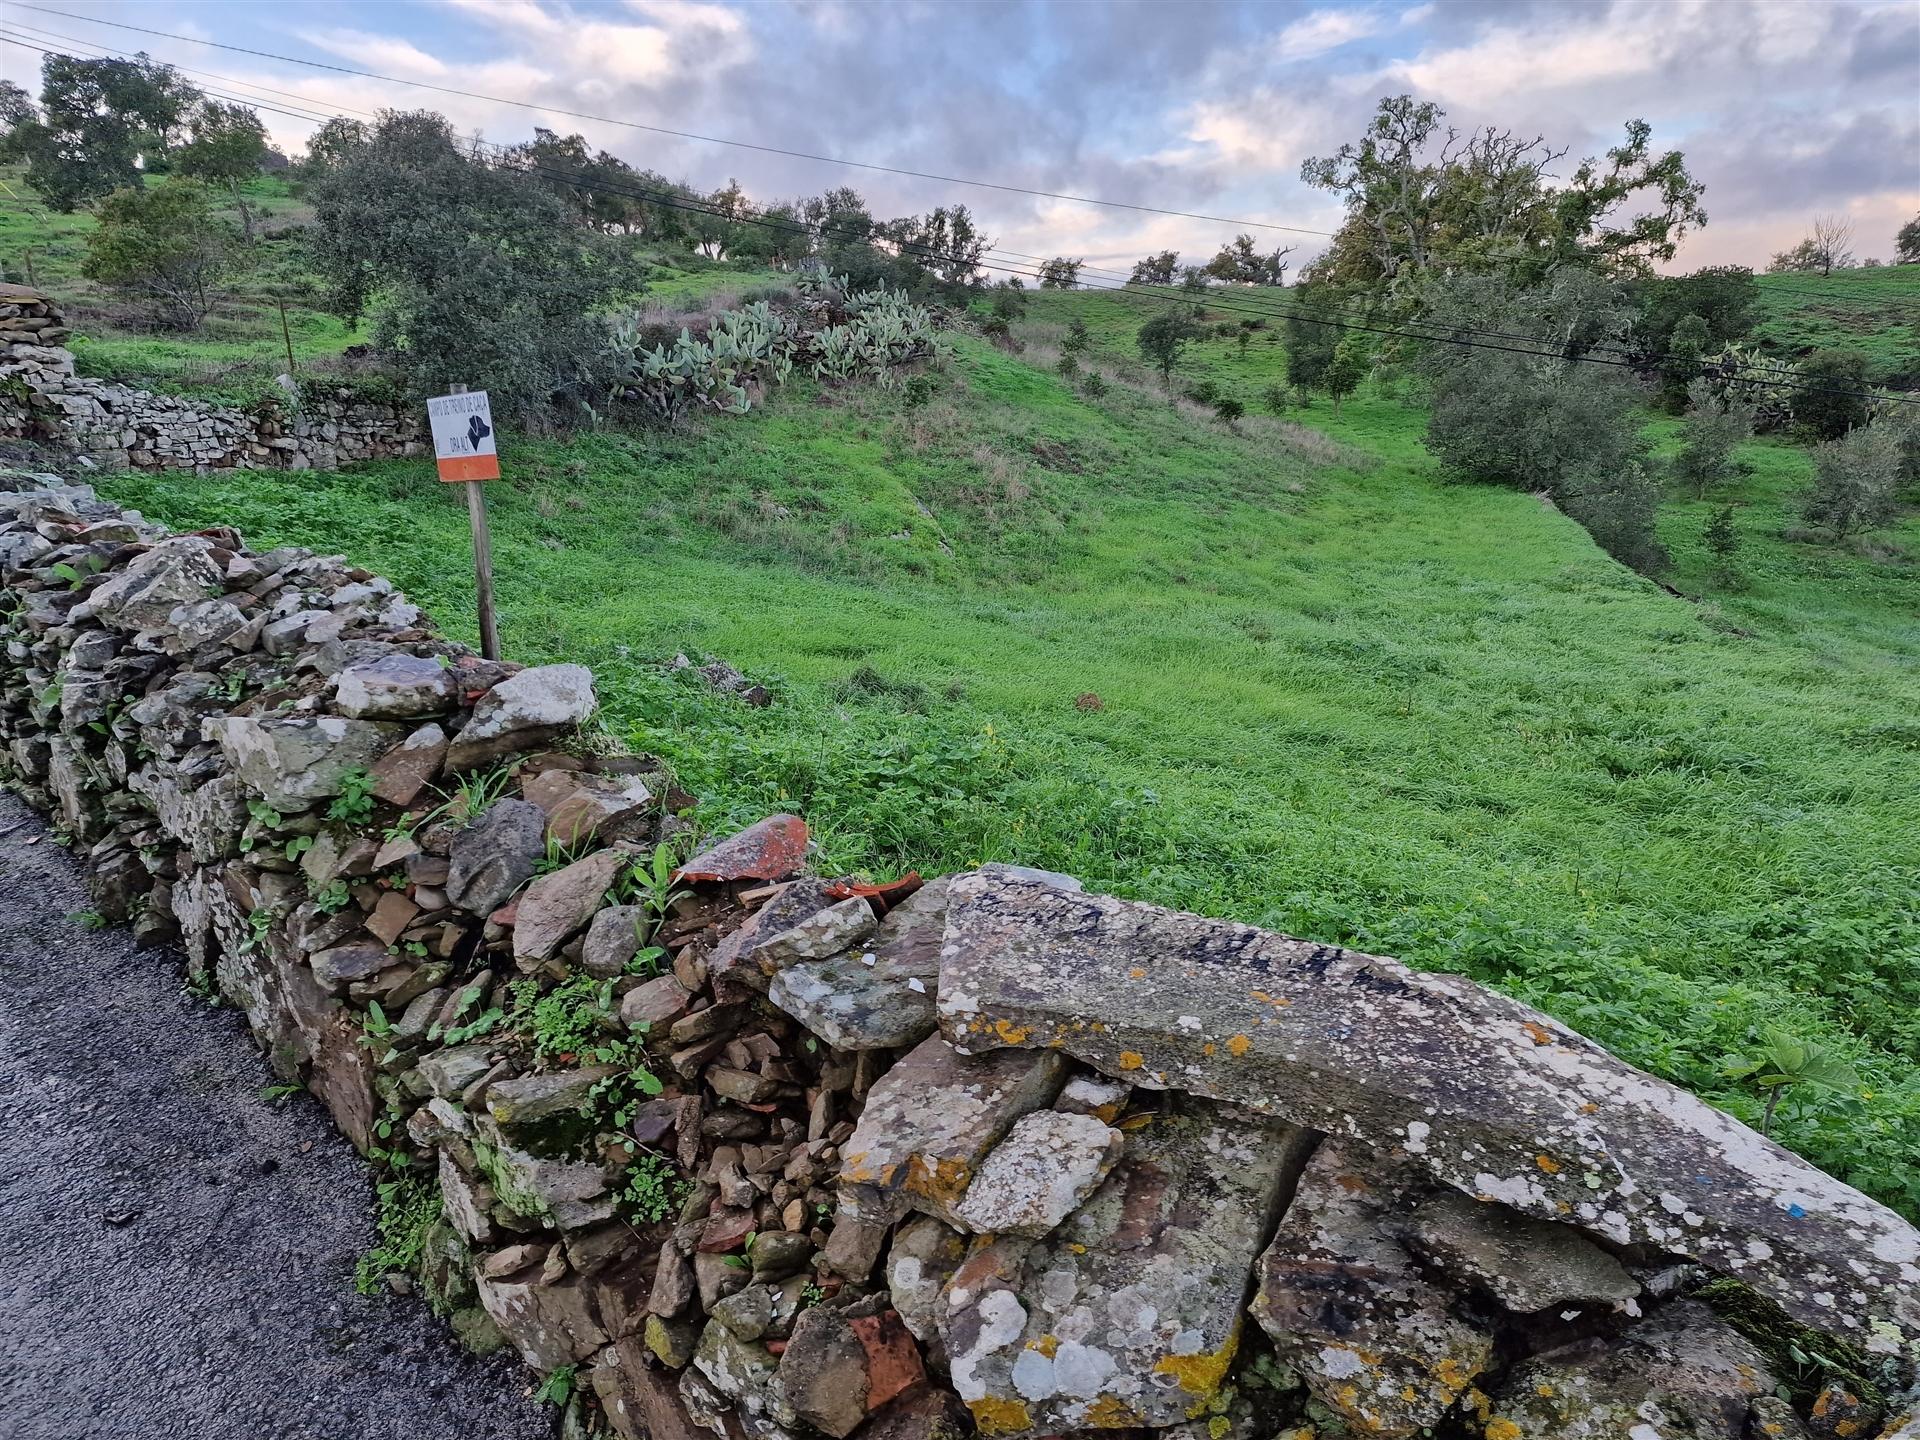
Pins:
x: 1068, y: 367
x: 1094, y: 386
x: 1723, y: 542
x: 1352, y: 358
x: 1277, y: 398
x: 1544, y: 422
x: 166, y: 244
x: 1078, y: 340
x: 1228, y: 410
x: 1854, y: 480
x: 1680, y: 366
x: 1204, y: 392
x: 1713, y: 428
x: 1833, y: 396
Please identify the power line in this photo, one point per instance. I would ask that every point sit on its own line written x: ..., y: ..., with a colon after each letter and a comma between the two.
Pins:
x: 735, y: 214
x: 1453, y: 337
x: 687, y: 134
x: 765, y: 149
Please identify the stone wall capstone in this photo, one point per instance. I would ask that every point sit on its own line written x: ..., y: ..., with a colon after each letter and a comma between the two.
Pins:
x: 757, y: 1152
x: 119, y: 427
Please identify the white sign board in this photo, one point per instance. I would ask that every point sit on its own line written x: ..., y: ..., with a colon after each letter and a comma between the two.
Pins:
x: 463, y: 439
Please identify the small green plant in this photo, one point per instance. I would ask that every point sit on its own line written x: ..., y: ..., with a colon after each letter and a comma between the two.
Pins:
x: 405, y: 1209
x: 1068, y: 367
x: 279, y: 1092
x: 332, y: 897
x: 917, y: 392
x: 297, y: 846
x: 259, y: 923
x: 354, y: 804
x: 1783, y: 1063
x: 1078, y: 340
x: 1277, y: 398
x: 461, y: 1030
x: 202, y: 986
x: 89, y: 919
x: 77, y: 576
x: 650, y: 883
x: 1094, y: 385
x: 264, y: 817
x: 467, y: 802
x: 560, y: 855
x: 558, y: 1387
x: 653, y: 1189
x: 646, y: 960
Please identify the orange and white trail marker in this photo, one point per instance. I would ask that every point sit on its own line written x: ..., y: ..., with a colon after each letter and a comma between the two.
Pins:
x: 464, y: 445
x: 465, y: 449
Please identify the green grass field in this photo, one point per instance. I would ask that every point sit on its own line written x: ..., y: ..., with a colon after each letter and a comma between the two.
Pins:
x: 1876, y: 312
x: 1285, y: 675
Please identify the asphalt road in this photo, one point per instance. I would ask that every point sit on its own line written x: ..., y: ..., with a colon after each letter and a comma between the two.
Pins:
x: 176, y: 1252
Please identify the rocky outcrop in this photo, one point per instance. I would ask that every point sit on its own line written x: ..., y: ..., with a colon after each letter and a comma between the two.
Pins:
x: 317, y: 426
x: 693, y: 1135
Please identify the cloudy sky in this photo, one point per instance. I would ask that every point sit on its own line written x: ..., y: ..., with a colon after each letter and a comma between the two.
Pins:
x: 1783, y: 107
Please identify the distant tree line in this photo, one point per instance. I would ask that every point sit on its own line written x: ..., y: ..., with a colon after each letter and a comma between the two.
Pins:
x: 1467, y: 238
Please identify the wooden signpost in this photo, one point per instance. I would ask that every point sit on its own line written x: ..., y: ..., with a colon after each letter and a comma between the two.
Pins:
x: 464, y: 449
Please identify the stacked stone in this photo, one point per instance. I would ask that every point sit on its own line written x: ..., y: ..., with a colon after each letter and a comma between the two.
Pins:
x: 981, y: 1155
x: 120, y: 427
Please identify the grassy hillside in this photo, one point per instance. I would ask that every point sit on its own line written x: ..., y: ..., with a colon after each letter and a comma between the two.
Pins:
x: 1281, y: 673
x: 1284, y: 675
x: 1876, y: 312
x: 238, y: 348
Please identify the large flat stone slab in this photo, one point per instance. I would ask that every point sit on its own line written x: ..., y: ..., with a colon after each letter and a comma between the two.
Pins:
x: 1129, y: 1314
x: 1487, y: 1094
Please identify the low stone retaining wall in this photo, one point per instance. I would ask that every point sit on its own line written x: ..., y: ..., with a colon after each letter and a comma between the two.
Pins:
x: 737, y: 1148
x: 119, y: 427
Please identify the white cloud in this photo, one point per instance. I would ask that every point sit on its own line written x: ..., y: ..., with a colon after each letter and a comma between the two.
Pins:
x: 1321, y: 31
x: 376, y: 52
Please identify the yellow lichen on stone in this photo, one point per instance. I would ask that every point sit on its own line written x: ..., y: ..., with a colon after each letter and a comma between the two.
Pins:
x: 1454, y: 1377
x: 1010, y: 1033
x: 1202, y: 1374
x: 1547, y: 1163
x: 1238, y: 1045
x: 1046, y: 1345
x: 1498, y: 1429
x: 995, y: 1416
x: 1110, y: 1412
x: 943, y: 1181
x: 1136, y: 973
x: 1131, y: 1059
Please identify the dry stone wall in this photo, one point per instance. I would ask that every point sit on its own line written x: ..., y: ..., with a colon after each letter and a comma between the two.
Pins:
x: 752, y: 1151
x: 119, y: 427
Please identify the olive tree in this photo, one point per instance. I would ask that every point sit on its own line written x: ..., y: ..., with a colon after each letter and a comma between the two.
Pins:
x: 472, y: 272
x: 1544, y: 421
x: 1855, y: 479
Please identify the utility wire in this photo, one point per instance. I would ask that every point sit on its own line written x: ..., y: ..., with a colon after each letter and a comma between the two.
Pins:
x: 576, y: 181
x: 765, y: 149
x: 686, y: 134
x: 1453, y: 336
x: 1778, y: 367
